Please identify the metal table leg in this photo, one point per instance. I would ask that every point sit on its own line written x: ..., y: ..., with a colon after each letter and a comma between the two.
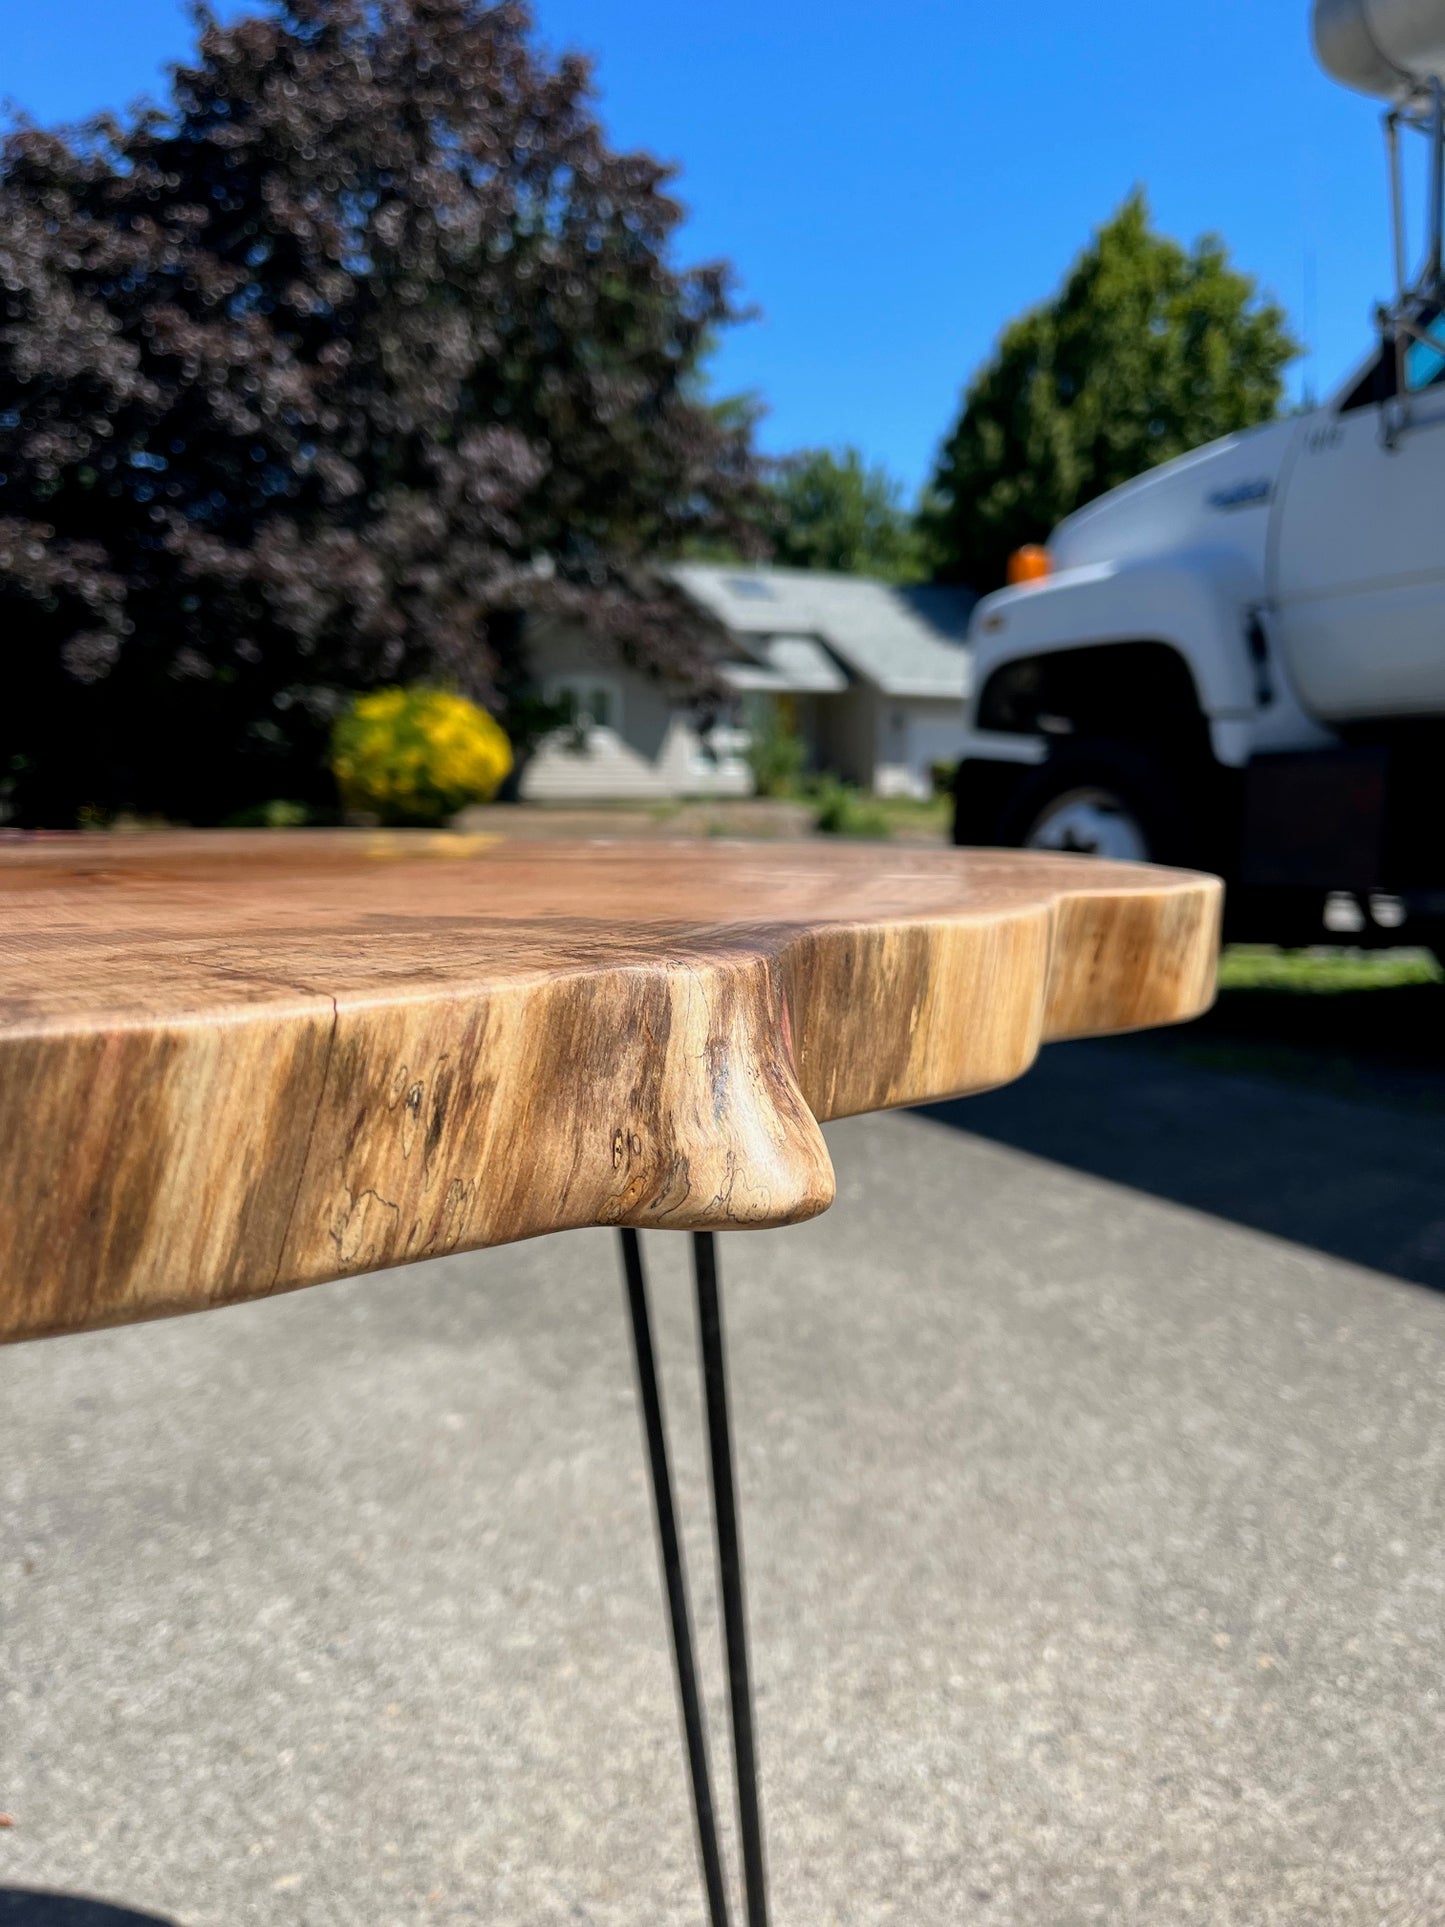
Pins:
x: 730, y: 1577
x: 730, y: 1573
x: 650, y: 1394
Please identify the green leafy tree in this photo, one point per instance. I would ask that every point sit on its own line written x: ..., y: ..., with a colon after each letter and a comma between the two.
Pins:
x: 1148, y: 349
x: 833, y: 511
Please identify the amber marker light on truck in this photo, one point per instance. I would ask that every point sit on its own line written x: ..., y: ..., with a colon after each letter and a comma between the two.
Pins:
x: 1029, y: 564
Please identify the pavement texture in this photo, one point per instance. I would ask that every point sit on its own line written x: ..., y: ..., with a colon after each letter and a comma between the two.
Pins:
x: 1092, y: 1462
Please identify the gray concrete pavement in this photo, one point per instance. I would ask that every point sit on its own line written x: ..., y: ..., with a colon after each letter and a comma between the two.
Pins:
x: 1095, y: 1546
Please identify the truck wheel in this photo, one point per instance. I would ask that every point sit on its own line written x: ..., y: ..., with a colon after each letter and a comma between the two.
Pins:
x: 1103, y: 799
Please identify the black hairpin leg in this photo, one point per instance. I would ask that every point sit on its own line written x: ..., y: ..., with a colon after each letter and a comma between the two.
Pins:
x: 675, y: 1581
x: 730, y: 1572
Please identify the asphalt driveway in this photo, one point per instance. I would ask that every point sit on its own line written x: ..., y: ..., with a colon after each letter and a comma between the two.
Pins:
x: 1092, y: 1461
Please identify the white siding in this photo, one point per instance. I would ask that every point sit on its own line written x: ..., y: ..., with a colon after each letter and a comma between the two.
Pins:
x: 650, y: 749
x: 913, y: 734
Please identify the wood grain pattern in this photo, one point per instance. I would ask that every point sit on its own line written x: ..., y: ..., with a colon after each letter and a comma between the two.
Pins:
x: 233, y: 1064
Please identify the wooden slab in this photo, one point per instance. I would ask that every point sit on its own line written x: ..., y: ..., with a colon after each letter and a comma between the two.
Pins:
x: 233, y: 1064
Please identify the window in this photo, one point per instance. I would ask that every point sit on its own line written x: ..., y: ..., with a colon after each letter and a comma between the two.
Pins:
x: 586, y: 702
x: 1424, y: 367
x: 1425, y: 360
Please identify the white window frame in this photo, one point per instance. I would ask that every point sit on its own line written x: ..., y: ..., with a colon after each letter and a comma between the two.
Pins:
x: 580, y: 687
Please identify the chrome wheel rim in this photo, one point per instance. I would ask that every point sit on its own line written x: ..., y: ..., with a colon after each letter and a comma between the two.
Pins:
x: 1091, y: 822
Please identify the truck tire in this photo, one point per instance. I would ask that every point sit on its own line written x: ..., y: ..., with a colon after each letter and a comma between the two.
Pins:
x: 1111, y: 799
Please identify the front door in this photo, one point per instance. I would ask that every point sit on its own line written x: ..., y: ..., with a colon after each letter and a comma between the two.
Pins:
x: 1359, y: 556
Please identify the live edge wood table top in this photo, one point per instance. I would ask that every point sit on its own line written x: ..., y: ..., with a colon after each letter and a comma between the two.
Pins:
x: 236, y: 1063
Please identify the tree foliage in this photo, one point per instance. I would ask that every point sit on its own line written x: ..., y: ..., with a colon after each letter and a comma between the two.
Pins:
x: 833, y: 511
x: 314, y: 376
x: 1148, y: 350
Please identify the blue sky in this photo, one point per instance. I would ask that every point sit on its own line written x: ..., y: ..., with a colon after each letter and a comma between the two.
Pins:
x: 892, y: 184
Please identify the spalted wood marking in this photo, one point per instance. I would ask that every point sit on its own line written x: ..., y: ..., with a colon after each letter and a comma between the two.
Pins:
x: 234, y: 1064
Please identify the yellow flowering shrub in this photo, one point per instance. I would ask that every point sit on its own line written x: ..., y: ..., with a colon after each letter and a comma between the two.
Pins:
x: 417, y: 755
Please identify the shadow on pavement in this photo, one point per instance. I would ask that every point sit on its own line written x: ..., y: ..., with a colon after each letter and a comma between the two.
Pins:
x: 1186, y: 1119
x: 25, y: 1907
x: 1385, y: 1042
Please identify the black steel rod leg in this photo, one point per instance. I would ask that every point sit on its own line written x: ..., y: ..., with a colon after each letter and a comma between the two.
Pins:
x: 730, y: 1569
x: 675, y: 1582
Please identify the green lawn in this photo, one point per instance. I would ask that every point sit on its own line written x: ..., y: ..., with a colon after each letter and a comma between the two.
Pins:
x: 1324, y: 971
x: 907, y: 813
x: 841, y: 809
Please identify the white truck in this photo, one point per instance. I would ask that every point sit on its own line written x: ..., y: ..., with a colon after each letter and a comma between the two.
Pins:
x: 1237, y: 661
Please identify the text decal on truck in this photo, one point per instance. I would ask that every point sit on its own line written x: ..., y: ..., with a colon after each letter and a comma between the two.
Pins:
x: 1242, y: 495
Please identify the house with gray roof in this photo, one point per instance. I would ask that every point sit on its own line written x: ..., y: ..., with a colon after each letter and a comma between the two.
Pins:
x: 872, y: 676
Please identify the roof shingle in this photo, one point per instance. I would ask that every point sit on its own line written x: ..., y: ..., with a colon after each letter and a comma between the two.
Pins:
x: 905, y: 641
